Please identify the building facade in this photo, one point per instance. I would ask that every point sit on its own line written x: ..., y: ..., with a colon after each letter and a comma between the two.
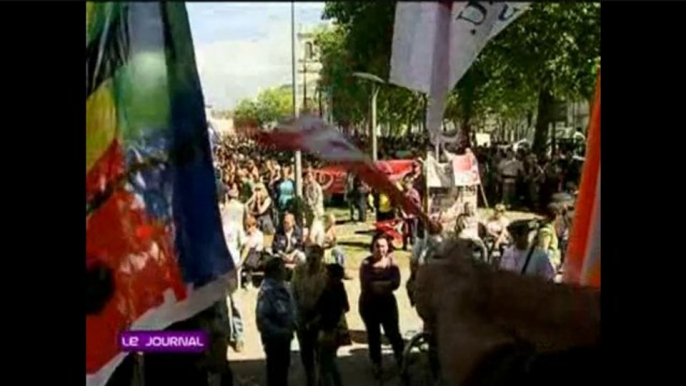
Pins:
x: 308, y: 69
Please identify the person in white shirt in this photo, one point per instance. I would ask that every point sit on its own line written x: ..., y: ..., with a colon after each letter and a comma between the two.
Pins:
x: 509, y: 170
x: 316, y: 234
x: 515, y: 257
x: 234, y: 235
x: 251, y: 252
x: 233, y: 212
x: 496, y: 227
x: 314, y: 199
x: 467, y: 228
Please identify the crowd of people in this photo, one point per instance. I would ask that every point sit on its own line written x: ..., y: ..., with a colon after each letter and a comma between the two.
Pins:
x: 291, y: 244
x: 522, y: 180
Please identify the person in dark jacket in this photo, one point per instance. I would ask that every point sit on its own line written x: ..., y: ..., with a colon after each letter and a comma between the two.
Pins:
x: 276, y: 322
x: 329, y: 317
x: 360, y: 192
x: 289, y: 243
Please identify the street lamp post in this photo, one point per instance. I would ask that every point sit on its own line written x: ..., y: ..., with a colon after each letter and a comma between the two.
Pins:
x: 376, y: 81
x: 298, y: 154
x: 375, y: 92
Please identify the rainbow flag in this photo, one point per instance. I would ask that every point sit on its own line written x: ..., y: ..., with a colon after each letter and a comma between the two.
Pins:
x: 151, y: 202
x: 582, y: 265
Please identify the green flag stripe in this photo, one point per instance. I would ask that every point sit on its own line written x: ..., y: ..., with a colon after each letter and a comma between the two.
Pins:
x: 114, y: 39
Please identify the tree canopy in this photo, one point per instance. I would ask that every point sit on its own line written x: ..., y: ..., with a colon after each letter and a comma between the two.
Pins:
x: 551, y: 53
x: 270, y: 106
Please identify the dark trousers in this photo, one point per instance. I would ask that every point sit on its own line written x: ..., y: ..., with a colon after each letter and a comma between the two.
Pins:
x: 361, y: 203
x: 384, y: 216
x: 307, y: 339
x: 278, y: 353
x: 410, y: 232
x: 377, y: 312
x: 328, y: 368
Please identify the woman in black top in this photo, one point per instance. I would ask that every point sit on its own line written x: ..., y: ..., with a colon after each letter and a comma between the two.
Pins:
x: 379, y: 278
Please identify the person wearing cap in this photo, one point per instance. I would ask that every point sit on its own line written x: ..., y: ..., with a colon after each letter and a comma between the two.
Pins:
x: 523, y: 257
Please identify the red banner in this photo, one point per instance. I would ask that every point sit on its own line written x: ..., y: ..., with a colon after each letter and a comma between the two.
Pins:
x: 332, y: 178
x: 314, y: 136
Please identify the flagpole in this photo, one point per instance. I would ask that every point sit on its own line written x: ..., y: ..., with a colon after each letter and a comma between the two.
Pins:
x: 298, y: 154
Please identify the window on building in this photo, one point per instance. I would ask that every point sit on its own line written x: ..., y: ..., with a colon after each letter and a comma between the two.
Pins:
x: 309, y: 52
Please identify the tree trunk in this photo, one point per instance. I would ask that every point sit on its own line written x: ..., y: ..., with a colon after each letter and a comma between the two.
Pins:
x: 467, y: 107
x: 544, y: 115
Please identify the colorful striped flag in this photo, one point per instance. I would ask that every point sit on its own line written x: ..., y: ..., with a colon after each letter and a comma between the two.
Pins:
x: 582, y: 264
x: 151, y: 201
x: 435, y: 43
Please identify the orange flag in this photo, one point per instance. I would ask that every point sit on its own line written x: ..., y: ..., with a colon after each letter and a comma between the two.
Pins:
x: 582, y: 265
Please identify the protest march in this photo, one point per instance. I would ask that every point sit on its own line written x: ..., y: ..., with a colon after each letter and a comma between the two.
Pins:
x: 458, y: 216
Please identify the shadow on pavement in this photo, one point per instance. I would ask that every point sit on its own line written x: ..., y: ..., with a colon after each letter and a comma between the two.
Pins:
x: 355, y: 244
x: 355, y: 369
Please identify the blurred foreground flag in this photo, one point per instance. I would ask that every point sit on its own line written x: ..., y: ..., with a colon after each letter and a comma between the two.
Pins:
x: 435, y: 43
x: 151, y: 200
x: 582, y: 264
x: 312, y: 135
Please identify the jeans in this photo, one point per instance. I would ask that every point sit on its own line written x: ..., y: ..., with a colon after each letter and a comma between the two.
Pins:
x: 362, y: 207
x: 509, y: 189
x: 328, y: 367
x: 378, y: 311
x: 236, y: 319
x: 307, y: 339
x: 410, y: 232
x: 278, y: 353
x: 338, y: 256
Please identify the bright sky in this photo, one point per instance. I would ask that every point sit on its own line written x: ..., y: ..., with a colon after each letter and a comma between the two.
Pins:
x: 242, y: 48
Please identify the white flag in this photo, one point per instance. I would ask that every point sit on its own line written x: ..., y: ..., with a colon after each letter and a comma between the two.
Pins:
x: 435, y: 43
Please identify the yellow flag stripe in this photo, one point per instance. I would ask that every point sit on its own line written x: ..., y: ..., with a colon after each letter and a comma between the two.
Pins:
x: 101, y: 122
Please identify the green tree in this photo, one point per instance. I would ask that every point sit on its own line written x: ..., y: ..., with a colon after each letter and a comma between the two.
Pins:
x: 270, y: 106
x: 345, y: 94
x: 551, y: 53
x: 360, y: 42
x: 274, y: 104
x: 245, y: 113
